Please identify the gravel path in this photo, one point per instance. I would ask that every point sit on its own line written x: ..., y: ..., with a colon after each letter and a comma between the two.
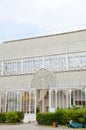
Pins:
x: 34, y: 126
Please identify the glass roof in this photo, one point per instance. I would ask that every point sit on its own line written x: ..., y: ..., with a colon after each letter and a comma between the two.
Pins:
x: 43, y: 79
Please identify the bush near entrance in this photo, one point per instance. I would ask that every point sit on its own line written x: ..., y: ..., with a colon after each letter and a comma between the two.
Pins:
x: 2, y: 117
x: 62, y: 116
x: 46, y: 118
x: 11, y: 117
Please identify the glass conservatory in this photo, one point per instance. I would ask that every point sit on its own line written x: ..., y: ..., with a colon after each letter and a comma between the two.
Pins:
x: 48, y: 76
x: 45, y: 82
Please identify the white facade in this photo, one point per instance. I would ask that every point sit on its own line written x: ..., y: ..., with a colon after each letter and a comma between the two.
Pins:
x: 45, y: 72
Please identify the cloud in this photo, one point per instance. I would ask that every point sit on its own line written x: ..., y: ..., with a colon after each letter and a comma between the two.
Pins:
x: 40, y: 12
x: 48, y: 16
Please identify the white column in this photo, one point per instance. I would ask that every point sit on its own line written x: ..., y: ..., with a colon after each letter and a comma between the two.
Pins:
x: 5, y: 101
x: 35, y: 101
x: 63, y: 99
x: 29, y: 101
x: 59, y: 99
x: 49, y: 100
x: 0, y: 101
x: 43, y: 104
x: 21, y: 100
x: 17, y: 100
x: 74, y: 96
x: 70, y: 96
x: 81, y: 96
x: 67, y: 91
x: 56, y: 99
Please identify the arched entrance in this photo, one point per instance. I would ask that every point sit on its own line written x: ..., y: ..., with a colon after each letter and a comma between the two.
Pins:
x: 42, y: 83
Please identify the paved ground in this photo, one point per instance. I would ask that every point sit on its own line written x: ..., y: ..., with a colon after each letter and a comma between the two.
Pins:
x: 33, y: 126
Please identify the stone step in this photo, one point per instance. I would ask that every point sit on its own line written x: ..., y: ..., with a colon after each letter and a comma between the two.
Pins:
x: 29, y: 118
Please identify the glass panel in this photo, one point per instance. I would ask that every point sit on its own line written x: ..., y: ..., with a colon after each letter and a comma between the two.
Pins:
x: 77, y: 61
x: 12, y: 67
x: 83, y: 60
x: 78, y: 97
x: 25, y: 101
x: 2, y: 102
x: 74, y: 62
x: 32, y: 107
x: 43, y: 79
x: 31, y: 65
x: 55, y: 62
x: 52, y: 99
x: 11, y: 101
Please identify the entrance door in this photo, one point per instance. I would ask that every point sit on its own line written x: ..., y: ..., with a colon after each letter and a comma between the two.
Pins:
x: 43, y: 100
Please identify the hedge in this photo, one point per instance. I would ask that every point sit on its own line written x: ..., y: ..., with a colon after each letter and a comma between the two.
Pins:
x: 62, y: 116
x: 20, y: 116
x: 11, y: 117
x: 46, y: 118
x: 2, y: 117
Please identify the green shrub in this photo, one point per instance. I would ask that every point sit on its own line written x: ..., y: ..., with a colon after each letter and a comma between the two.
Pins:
x: 37, y: 110
x: 81, y: 120
x: 46, y: 118
x: 78, y: 114
x: 11, y: 117
x: 2, y: 117
x: 20, y: 116
x: 62, y: 116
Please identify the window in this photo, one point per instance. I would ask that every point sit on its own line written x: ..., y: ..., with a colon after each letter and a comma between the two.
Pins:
x: 31, y: 65
x: 12, y: 67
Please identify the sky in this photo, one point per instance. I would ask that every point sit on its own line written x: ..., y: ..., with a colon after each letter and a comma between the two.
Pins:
x: 20, y: 19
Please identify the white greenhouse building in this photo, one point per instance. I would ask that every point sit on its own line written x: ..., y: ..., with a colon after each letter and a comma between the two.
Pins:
x: 48, y: 72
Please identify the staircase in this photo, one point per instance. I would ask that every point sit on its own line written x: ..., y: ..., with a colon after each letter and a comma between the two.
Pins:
x: 29, y: 117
